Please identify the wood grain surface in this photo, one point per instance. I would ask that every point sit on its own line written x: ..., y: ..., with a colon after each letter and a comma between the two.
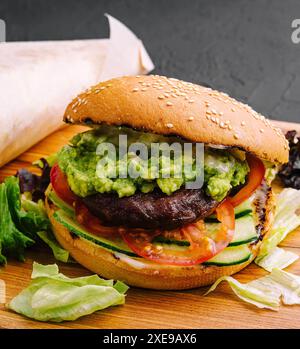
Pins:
x: 145, y: 308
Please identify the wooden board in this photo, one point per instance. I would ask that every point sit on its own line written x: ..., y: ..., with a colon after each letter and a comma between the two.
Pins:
x: 145, y: 308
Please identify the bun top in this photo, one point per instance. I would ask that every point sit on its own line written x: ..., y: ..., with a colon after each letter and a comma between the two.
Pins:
x: 172, y: 107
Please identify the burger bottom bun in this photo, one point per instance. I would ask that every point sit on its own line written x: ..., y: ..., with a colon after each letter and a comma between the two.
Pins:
x: 144, y: 274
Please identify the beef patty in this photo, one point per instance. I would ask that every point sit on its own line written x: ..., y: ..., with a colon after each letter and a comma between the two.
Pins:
x: 154, y: 210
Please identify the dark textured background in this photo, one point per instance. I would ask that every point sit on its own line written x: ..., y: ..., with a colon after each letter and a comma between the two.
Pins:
x: 239, y: 46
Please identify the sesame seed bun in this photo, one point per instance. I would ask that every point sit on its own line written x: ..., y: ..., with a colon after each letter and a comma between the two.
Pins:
x: 173, y: 107
x: 143, y: 273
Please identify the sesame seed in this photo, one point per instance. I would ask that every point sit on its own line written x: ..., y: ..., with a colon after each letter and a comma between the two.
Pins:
x: 135, y: 89
x: 169, y: 125
x: 144, y: 89
x: 191, y: 118
x: 191, y: 101
x: 261, y: 130
x: 161, y: 97
x: 232, y: 109
x: 230, y: 128
x: 169, y: 104
x: 236, y: 136
x: 243, y: 123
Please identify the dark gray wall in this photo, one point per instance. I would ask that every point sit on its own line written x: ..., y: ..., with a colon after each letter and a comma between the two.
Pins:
x: 240, y: 46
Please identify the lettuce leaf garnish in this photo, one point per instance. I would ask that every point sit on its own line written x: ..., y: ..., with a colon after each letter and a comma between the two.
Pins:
x: 12, y: 241
x: 262, y: 298
x: 277, y: 258
x: 23, y: 222
x: 268, y: 291
x: 287, y: 219
x: 52, y: 296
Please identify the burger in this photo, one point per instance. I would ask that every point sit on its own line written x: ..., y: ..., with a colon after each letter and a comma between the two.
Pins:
x: 156, y: 231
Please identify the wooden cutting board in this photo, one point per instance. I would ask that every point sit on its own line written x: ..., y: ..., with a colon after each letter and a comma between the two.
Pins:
x: 145, y: 308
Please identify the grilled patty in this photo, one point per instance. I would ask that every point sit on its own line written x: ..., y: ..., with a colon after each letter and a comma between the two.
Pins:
x: 154, y: 210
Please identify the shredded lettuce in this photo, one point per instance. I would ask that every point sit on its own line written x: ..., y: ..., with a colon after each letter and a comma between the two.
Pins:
x: 287, y: 219
x: 277, y: 258
x: 268, y: 291
x: 288, y: 284
x: 250, y: 294
x: 52, y: 296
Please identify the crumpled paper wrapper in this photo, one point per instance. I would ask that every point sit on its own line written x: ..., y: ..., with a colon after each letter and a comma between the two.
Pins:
x: 39, y: 79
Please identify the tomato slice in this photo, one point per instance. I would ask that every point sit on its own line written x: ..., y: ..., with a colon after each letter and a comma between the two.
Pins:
x: 255, y: 178
x: 202, y: 247
x: 60, y: 185
x: 92, y: 223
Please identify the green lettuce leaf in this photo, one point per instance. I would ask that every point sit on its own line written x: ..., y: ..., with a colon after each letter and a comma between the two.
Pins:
x: 22, y: 222
x: 268, y: 291
x: 262, y: 298
x: 287, y: 219
x: 59, y: 253
x: 288, y: 284
x: 52, y: 296
x: 277, y: 258
x: 28, y: 216
x: 12, y: 241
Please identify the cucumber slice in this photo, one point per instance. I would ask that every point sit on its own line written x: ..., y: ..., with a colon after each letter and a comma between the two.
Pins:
x: 60, y: 203
x: 245, y: 233
x: 114, y: 244
x: 244, y: 209
x: 231, y: 256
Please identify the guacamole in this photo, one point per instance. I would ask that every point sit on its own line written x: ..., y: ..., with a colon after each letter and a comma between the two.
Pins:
x: 89, y: 171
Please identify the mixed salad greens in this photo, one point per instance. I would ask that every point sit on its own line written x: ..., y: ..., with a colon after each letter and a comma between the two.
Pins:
x: 23, y: 221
